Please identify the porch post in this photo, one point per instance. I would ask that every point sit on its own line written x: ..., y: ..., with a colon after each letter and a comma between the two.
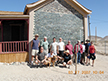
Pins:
x: 1, y: 29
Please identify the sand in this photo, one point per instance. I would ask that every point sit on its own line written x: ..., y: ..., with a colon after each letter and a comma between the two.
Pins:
x: 22, y: 72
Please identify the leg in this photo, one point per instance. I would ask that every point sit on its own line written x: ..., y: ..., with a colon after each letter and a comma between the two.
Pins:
x: 64, y: 64
x: 79, y: 57
x: 92, y: 62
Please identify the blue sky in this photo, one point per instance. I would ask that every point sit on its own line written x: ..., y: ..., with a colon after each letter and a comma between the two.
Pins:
x: 98, y: 17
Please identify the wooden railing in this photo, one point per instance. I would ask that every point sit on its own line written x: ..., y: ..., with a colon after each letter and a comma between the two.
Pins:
x: 13, y: 46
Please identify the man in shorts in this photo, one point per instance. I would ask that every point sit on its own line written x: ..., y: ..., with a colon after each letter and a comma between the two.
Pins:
x: 87, y: 44
x: 35, y: 47
x: 67, y: 59
x: 45, y: 44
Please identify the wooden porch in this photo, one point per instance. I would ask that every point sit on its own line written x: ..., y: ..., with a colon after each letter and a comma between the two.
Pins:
x: 14, y: 40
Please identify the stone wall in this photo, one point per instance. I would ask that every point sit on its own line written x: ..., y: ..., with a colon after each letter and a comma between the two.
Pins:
x: 59, y: 19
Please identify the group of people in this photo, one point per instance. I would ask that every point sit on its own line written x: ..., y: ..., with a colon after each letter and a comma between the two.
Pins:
x: 60, y: 52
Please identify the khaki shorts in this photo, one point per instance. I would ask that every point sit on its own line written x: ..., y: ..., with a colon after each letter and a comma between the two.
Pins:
x: 34, y: 52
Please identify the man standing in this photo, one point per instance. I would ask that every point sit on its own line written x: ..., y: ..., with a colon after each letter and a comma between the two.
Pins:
x: 83, y: 54
x: 79, y: 50
x: 54, y: 46
x: 60, y: 48
x: 70, y: 48
x: 87, y: 50
x: 45, y: 45
x: 35, y: 47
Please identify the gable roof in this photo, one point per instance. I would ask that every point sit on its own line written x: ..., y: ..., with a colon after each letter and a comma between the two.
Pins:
x: 74, y: 2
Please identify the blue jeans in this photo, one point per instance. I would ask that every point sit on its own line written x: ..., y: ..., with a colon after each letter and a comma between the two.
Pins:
x: 78, y: 57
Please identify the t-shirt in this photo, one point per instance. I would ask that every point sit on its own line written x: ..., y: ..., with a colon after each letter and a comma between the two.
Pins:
x: 83, y: 48
x: 54, y: 47
x: 41, y: 56
x: 87, y: 46
x: 45, y: 45
x: 66, y: 57
x: 92, y: 49
x: 35, y: 44
x: 69, y: 47
x: 49, y: 55
x: 61, y: 46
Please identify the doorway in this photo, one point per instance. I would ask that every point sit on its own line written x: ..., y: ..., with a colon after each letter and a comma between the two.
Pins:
x: 15, y: 33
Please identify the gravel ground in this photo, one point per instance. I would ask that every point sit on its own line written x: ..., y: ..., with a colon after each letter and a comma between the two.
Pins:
x: 22, y: 72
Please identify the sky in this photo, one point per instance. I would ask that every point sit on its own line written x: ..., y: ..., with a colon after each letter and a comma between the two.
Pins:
x: 98, y: 17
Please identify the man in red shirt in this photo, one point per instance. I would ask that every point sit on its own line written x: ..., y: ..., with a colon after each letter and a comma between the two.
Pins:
x: 92, y: 54
x: 79, y: 50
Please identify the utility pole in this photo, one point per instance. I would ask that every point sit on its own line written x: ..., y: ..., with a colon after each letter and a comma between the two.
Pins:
x: 89, y: 27
x: 96, y: 35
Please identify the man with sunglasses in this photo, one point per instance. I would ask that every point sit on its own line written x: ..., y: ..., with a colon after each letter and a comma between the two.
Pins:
x: 35, y: 47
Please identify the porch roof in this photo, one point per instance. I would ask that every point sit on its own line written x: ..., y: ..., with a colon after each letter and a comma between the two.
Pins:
x: 14, y: 16
x: 10, y: 13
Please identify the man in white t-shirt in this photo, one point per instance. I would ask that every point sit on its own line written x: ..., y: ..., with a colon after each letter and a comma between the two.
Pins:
x: 51, y: 57
x: 60, y: 48
x: 54, y: 46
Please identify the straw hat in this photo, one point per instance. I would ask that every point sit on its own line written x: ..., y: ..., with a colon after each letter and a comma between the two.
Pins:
x: 37, y: 35
x: 67, y: 51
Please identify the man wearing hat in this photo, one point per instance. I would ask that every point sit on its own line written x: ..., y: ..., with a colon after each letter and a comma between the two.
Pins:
x: 87, y: 44
x: 35, y: 47
x: 67, y: 59
x: 79, y: 50
x: 45, y: 44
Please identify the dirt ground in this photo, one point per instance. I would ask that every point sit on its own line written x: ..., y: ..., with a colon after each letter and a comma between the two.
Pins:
x: 85, y: 73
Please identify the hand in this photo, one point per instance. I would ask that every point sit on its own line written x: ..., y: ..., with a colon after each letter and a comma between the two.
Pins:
x: 88, y: 54
x: 38, y: 61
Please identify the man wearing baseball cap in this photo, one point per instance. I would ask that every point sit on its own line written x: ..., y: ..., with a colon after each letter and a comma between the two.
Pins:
x: 35, y: 47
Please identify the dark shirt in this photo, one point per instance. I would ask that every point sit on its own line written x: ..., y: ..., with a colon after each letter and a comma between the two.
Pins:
x: 66, y: 57
x: 41, y: 56
x: 35, y: 44
x: 86, y: 47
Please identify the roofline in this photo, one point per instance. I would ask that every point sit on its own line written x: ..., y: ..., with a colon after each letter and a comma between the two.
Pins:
x: 28, y: 6
x: 14, y: 16
x: 84, y: 8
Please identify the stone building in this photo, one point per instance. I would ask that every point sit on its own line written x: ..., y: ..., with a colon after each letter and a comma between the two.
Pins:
x: 51, y: 18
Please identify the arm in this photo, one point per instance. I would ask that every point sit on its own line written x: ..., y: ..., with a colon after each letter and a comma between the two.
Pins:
x: 44, y: 59
x: 64, y: 47
x: 50, y: 48
x: 88, y: 51
x: 57, y: 49
x: 39, y: 44
x: 37, y: 59
x: 81, y: 49
x: 31, y: 43
x: 75, y: 49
